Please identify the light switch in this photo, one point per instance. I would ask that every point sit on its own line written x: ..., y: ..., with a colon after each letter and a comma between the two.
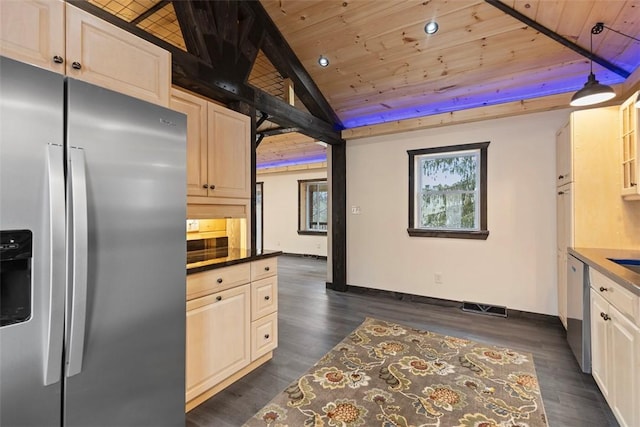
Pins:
x: 355, y: 210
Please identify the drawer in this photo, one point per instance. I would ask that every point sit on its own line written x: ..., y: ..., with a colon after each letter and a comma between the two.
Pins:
x: 264, y: 335
x: 207, y: 282
x: 625, y: 301
x: 264, y: 297
x: 264, y: 268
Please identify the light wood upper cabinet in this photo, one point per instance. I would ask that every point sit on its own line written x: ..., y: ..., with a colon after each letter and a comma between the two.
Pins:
x: 218, y: 150
x: 196, y: 110
x: 228, y: 156
x: 60, y: 37
x: 33, y: 32
x: 107, y: 56
x: 630, y: 140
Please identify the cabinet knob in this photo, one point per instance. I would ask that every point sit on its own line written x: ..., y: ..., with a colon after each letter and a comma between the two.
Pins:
x: 603, y: 289
x: 58, y: 59
x: 560, y: 176
x: 205, y: 185
x: 218, y: 298
x: 266, y: 336
x: 267, y: 298
x: 266, y: 268
x: 560, y: 193
x: 219, y: 280
x: 212, y: 186
x: 633, y: 184
x: 76, y: 65
x: 605, y: 316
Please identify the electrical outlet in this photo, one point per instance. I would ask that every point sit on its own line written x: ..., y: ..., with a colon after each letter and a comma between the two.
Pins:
x: 355, y: 210
x: 193, y: 225
x: 437, y: 278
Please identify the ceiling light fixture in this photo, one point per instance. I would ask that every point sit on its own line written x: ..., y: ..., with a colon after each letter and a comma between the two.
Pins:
x: 323, y: 61
x: 592, y: 92
x: 431, y: 27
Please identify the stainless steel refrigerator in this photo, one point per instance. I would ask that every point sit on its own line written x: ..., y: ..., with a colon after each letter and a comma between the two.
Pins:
x: 92, y: 223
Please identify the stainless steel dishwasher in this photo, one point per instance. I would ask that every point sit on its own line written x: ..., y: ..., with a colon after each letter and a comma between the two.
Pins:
x: 578, y: 318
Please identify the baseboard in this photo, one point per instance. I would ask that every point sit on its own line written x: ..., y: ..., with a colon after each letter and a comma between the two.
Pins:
x: 401, y: 296
x: 305, y: 255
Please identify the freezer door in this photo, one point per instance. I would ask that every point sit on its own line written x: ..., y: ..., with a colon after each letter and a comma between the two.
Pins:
x: 128, y: 206
x: 32, y: 189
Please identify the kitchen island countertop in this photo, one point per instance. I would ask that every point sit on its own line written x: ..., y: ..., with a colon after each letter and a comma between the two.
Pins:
x: 235, y: 256
x: 598, y: 259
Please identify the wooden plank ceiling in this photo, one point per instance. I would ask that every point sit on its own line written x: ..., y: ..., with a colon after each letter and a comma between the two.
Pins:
x: 384, y: 67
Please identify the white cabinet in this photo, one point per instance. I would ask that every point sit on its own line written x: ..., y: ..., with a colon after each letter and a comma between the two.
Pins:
x: 615, y: 347
x: 60, y: 37
x: 630, y: 140
x: 582, y: 183
x: 564, y: 212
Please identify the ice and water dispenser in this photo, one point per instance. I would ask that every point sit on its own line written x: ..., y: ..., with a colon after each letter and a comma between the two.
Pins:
x: 15, y: 276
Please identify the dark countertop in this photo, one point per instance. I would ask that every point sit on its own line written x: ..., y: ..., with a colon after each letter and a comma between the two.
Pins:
x: 597, y: 258
x: 236, y: 256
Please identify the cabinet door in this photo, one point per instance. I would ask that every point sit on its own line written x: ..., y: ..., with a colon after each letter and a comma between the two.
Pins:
x: 218, y: 338
x: 107, y: 56
x: 264, y: 333
x: 625, y: 361
x: 229, y: 159
x: 33, y: 32
x: 564, y: 173
x: 599, y: 343
x: 562, y: 287
x: 630, y: 141
x: 196, y: 110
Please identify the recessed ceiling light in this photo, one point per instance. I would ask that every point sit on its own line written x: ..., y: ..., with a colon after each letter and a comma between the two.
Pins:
x: 323, y: 61
x: 431, y: 27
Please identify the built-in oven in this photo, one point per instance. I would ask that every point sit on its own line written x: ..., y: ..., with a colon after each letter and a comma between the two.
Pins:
x: 578, y: 317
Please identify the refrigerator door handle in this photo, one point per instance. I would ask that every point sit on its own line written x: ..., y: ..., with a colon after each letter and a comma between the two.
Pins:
x: 56, y: 247
x: 79, y: 254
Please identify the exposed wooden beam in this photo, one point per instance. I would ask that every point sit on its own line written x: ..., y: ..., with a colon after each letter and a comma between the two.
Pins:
x: 338, y: 219
x: 557, y: 37
x: 188, y: 19
x: 287, y: 63
x: 147, y: 13
x: 278, y: 131
x: 287, y: 116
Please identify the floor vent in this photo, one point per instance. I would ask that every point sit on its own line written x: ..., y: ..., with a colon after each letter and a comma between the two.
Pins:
x: 491, y: 310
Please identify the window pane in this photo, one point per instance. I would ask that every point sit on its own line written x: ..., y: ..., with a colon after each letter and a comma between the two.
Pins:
x: 448, y: 191
x: 313, y: 206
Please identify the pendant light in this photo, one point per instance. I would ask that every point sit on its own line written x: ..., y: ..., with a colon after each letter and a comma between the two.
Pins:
x: 593, y: 92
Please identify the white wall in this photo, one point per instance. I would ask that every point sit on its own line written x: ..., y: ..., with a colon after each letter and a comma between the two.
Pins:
x: 280, y: 201
x: 514, y: 267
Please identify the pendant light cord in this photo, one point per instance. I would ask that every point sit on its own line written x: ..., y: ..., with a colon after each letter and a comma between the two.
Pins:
x: 621, y: 33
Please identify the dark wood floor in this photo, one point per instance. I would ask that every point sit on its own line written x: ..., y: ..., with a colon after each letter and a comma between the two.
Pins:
x: 312, y: 320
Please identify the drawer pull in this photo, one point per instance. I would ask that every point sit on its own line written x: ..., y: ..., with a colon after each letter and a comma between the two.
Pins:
x: 267, y: 298
x: 266, y: 336
x: 219, y: 280
x: 605, y: 316
x: 603, y: 289
x: 219, y: 298
x: 266, y: 268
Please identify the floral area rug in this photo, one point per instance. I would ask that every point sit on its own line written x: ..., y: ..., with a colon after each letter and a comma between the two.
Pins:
x: 388, y: 375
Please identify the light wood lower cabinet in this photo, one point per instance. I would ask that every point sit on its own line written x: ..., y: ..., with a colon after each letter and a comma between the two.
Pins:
x: 615, y: 347
x: 232, y: 325
x: 218, y: 338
